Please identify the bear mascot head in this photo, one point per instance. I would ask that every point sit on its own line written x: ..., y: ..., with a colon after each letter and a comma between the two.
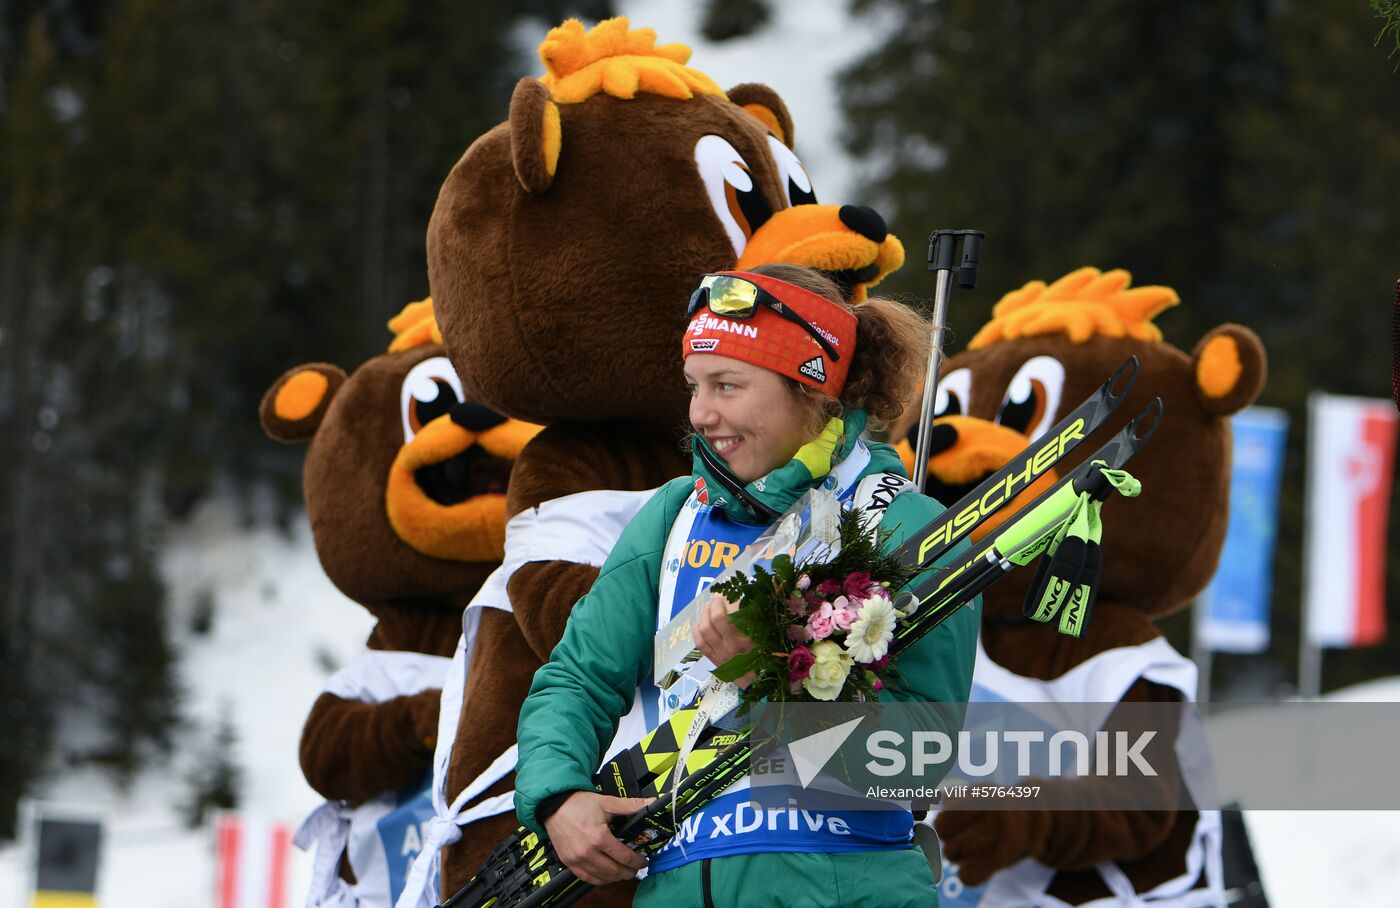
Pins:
x: 570, y: 236
x: 561, y: 253
x: 404, y: 483
x: 1046, y: 348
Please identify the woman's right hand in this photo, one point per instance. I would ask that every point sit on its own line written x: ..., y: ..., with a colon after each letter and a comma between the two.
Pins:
x: 585, y: 843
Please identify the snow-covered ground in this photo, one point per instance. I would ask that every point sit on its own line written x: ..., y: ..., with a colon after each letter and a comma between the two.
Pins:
x: 279, y: 629
x: 1321, y: 857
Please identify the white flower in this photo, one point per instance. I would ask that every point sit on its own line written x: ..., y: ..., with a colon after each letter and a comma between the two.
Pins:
x: 828, y: 674
x: 871, y: 632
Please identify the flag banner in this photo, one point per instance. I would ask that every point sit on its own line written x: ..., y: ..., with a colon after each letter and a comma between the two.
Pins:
x: 65, y: 864
x: 1233, y: 612
x: 1351, y: 454
x: 252, y: 858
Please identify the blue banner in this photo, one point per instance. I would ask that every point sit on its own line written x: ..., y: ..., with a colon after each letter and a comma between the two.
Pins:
x: 1234, y: 609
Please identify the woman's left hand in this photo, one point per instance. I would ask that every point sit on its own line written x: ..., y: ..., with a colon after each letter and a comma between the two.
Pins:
x: 717, y: 638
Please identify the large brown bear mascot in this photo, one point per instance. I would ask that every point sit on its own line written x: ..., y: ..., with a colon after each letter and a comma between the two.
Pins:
x: 1045, y: 349
x: 405, y: 484
x: 562, y: 251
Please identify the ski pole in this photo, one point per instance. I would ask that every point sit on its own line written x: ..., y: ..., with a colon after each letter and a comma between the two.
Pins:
x: 942, y: 253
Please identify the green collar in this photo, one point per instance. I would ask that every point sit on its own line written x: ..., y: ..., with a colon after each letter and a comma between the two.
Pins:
x: 766, y: 498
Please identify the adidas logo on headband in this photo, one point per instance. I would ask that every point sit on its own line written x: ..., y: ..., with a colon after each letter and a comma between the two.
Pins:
x: 814, y: 369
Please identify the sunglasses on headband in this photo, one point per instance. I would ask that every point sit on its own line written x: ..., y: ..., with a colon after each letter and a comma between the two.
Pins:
x: 736, y: 297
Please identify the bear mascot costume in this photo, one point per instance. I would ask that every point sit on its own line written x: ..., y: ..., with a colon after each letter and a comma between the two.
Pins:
x: 562, y: 251
x: 1045, y: 349
x: 405, y: 484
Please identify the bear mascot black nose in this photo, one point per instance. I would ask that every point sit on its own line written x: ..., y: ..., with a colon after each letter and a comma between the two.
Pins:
x: 941, y: 437
x: 864, y: 220
x: 475, y: 418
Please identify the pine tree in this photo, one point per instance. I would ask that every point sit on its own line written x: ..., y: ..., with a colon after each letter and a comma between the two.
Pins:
x: 1388, y: 11
x: 1072, y: 133
x: 83, y: 608
x: 215, y: 778
x: 1245, y: 154
x: 193, y: 196
x: 31, y: 144
x: 1314, y: 187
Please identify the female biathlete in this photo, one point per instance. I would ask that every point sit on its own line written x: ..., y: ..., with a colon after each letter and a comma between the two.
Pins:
x: 784, y: 378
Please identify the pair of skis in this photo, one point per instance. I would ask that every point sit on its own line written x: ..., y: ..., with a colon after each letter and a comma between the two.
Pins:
x: 525, y: 871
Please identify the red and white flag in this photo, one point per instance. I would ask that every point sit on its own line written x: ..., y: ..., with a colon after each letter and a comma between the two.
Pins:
x: 253, y: 859
x: 1351, y: 456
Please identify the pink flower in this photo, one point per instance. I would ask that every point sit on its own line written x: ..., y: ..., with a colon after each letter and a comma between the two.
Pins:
x: 880, y: 591
x: 857, y: 585
x: 828, y: 589
x: 819, y: 622
x: 879, y: 664
x: 800, y: 662
x: 799, y: 633
x: 877, y: 684
x: 842, y: 614
x: 803, y: 582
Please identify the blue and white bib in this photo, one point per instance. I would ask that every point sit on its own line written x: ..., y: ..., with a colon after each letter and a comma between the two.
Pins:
x: 702, y: 543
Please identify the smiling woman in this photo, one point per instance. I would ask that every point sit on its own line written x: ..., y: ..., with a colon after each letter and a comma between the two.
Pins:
x: 758, y: 394
x: 784, y: 377
x: 745, y: 414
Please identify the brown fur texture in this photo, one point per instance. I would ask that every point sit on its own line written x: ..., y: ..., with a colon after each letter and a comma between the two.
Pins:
x: 606, y: 257
x: 563, y: 301
x: 1159, y: 551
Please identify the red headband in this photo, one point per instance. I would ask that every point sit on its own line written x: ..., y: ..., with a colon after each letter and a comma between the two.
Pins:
x: 768, y: 340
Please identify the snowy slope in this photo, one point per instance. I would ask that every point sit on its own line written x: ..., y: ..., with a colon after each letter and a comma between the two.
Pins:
x: 279, y: 629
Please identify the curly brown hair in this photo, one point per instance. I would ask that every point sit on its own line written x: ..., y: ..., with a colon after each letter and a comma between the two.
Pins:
x: 891, y: 350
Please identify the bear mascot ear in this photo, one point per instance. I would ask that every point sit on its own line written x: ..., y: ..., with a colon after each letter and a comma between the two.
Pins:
x: 1229, y: 366
x: 763, y: 104
x: 292, y: 409
x: 535, y: 135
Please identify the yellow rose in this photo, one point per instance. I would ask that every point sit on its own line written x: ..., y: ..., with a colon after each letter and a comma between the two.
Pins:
x: 829, y: 671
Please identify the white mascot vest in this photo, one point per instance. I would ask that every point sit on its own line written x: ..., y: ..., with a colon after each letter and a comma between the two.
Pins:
x: 1102, y: 680
x: 581, y: 528
x: 382, y: 835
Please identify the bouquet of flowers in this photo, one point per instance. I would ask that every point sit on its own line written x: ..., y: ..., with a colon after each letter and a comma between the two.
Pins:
x: 822, y: 628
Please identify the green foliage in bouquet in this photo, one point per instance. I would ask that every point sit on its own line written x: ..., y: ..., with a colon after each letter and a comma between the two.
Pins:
x: 821, y: 628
